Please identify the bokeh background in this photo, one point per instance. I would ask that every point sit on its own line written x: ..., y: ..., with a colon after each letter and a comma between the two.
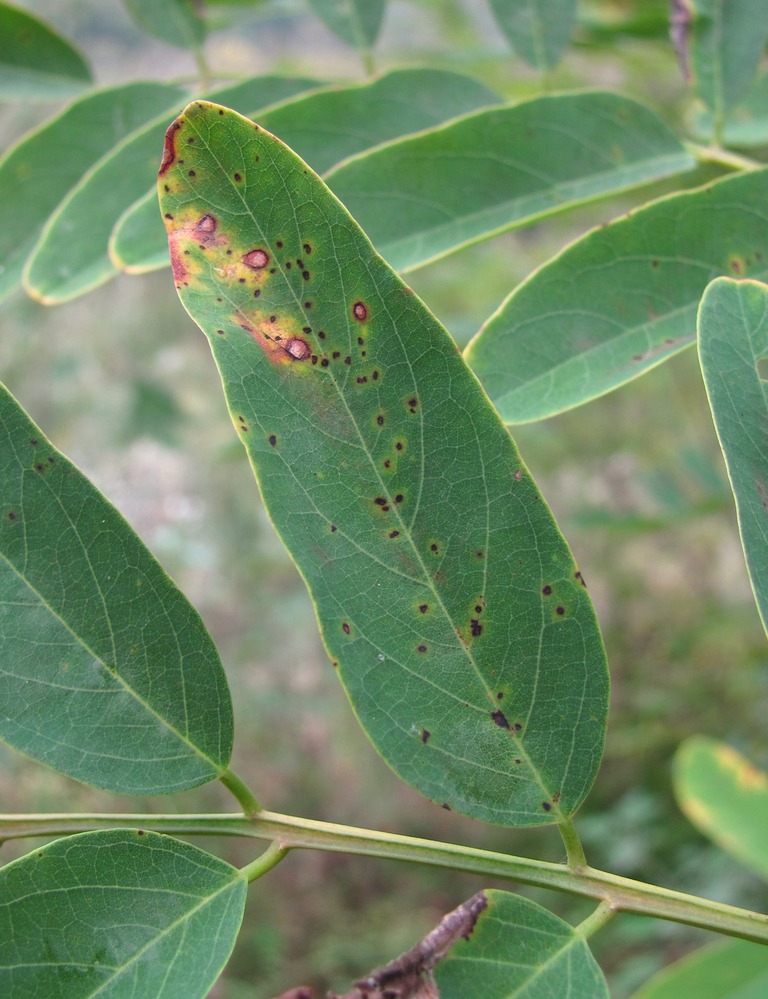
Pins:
x: 124, y: 384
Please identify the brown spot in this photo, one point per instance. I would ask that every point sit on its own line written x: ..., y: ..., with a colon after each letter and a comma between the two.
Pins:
x: 394, y: 534
x: 359, y: 311
x: 169, y: 146
x: 547, y: 806
x: 256, y: 259
x: 421, y: 648
x: 272, y: 440
x: 556, y: 797
x: 578, y: 575
x: 345, y: 628
x: 423, y: 608
x: 11, y: 516
x: 307, y: 248
x: 238, y: 177
x: 546, y: 590
x: 425, y: 734
x: 500, y: 696
x: 298, y: 349
x: 500, y: 719
x: 475, y: 627
x: 560, y: 610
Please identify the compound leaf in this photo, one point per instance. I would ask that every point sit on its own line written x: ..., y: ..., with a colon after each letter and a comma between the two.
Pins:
x: 620, y: 300
x: 422, y: 197
x: 108, y: 673
x: 446, y: 596
x: 356, y: 22
x: 117, y: 914
x: 733, y: 351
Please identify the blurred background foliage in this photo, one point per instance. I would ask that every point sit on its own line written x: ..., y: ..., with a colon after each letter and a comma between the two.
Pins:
x: 123, y: 383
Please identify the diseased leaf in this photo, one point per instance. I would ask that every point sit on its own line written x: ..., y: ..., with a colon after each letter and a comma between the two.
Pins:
x: 519, y: 948
x: 108, y: 674
x: 727, y: 41
x: 356, y: 22
x: 36, y: 63
x: 620, y: 300
x: 177, y: 22
x: 117, y: 913
x: 729, y: 969
x: 324, y: 127
x: 72, y: 254
x: 537, y: 30
x: 733, y: 350
x: 431, y: 194
x: 33, y: 183
x: 446, y: 596
x: 726, y: 798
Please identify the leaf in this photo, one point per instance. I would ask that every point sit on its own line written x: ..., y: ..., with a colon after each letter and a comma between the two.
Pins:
x: 730, y: 969
x: 518, y: 948
x: 118, y: 914
x: 71, y: 256
x: 108, y: 673
x: 33, y: 182
x: 356, y: 22
x: 177, y: 22
x: 431, y: 194
x: 324, y: 127
x: 537, y: 30
x: 36, y: 63
x: 733, y: 345
x: 725, y: 797
x: 445, y: 593
x: 620, y: 300
x: 727, y: 41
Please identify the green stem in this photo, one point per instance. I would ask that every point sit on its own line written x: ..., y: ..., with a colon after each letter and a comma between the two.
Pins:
x: 603, y: 914
x: 369, y: 64
x: 574, y: 851
x: 265, y: 861
x: 241, y: 791
x: 203, y: 69
x: 722, y: 157
x: 621, y: 894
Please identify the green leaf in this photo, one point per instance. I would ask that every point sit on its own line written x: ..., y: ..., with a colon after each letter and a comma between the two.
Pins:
x: 446, y: 595
x: 725, y: 797
x: 72, y: 254
x: 35, y: 62
x: 537, y: 30
x: 324, y: 127
x: 727, y: 41
x: 746, y: 124
x: 731, y: 969
x: 518, y: 948
x: 174, y: 21
x: 620, y: 300
x: 733, y: 350
x: 108, y: 673
x: 118, y: 914
x: 356, y: 22
x: 425, y: 196
x: 33, y: 181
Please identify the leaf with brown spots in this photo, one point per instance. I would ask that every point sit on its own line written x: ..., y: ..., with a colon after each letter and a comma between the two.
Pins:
x: 430, y: 506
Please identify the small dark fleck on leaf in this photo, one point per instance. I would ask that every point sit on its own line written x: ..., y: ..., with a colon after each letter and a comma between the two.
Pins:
x: 500, y: 696
x: 307, y: 248
x: 478, y: 608
x: 238, y: 177
x: 421, y: 648
x: 546, y: 590
x: 307, y: 305
x: 34, y: 442
x: 192, y: 173
x: 11, y: 515
x: 257, y: 293
x: 279, y: 244
x: 321, y: 334
x: 517, y: 727
x: 359, y: 311
x: 446, y: 806
x: 305, y: 275
x: 560, y: 610
x: 425, y: 734
x: 500, y: 719
x: 272, y: 440
x: 333, y: 528
x: 394, y: 534
x: 324, y: 363
x: 306, y: 329
x: 380, y: 420
x: 345, y: 628
x: 479, y: 554
x: 547, y: 806
x: 380, y: 501
x: 399, y: 445
x: 423, y: 608
x: 475, y: 627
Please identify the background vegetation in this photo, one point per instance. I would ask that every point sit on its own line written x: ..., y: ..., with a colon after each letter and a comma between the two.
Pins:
x: 122, y: 382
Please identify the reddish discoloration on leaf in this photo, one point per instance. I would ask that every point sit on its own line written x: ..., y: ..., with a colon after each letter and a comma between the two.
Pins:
x: 169, y: 148
x: 256, y: 259
x: 359, y: 311
x: 183, y: 234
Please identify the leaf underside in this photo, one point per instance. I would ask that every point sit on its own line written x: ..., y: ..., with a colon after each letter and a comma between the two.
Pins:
x: 446, y: 596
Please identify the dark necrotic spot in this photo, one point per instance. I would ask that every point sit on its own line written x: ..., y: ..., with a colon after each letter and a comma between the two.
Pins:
x: 399, y: 445
x: 560, y: 610
x: 421, y: 648
x: 333, y: 528
x: 11, y: 516
x: 546, y: 805
x: 359, y: 311
x: 305, y: 275
x: 394, y: 534
x: 336, y: 355
x: 517, y: 727
x: 256, y: 259
x: 306, y: 329
x: 324, y: 363
x: 500, y: 696
x: 257, y: 293
x: 434, y: 547
x: 321, y: 334
x: 412, y: 404
x: 34, y: 441
x: 288, y: 265
x: 500, y: 719
x: 272, y: 440
x: 423, y: 608
x: 425, y: 734
x: 307, y: 248
x: 307, y: 305
x: 380, y: 420
x: 192, y: 173
x: 478, y: 608
x: 546, y: 590
x: 238, y: 177
x: 345, y: 628
x: 475, y: 627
